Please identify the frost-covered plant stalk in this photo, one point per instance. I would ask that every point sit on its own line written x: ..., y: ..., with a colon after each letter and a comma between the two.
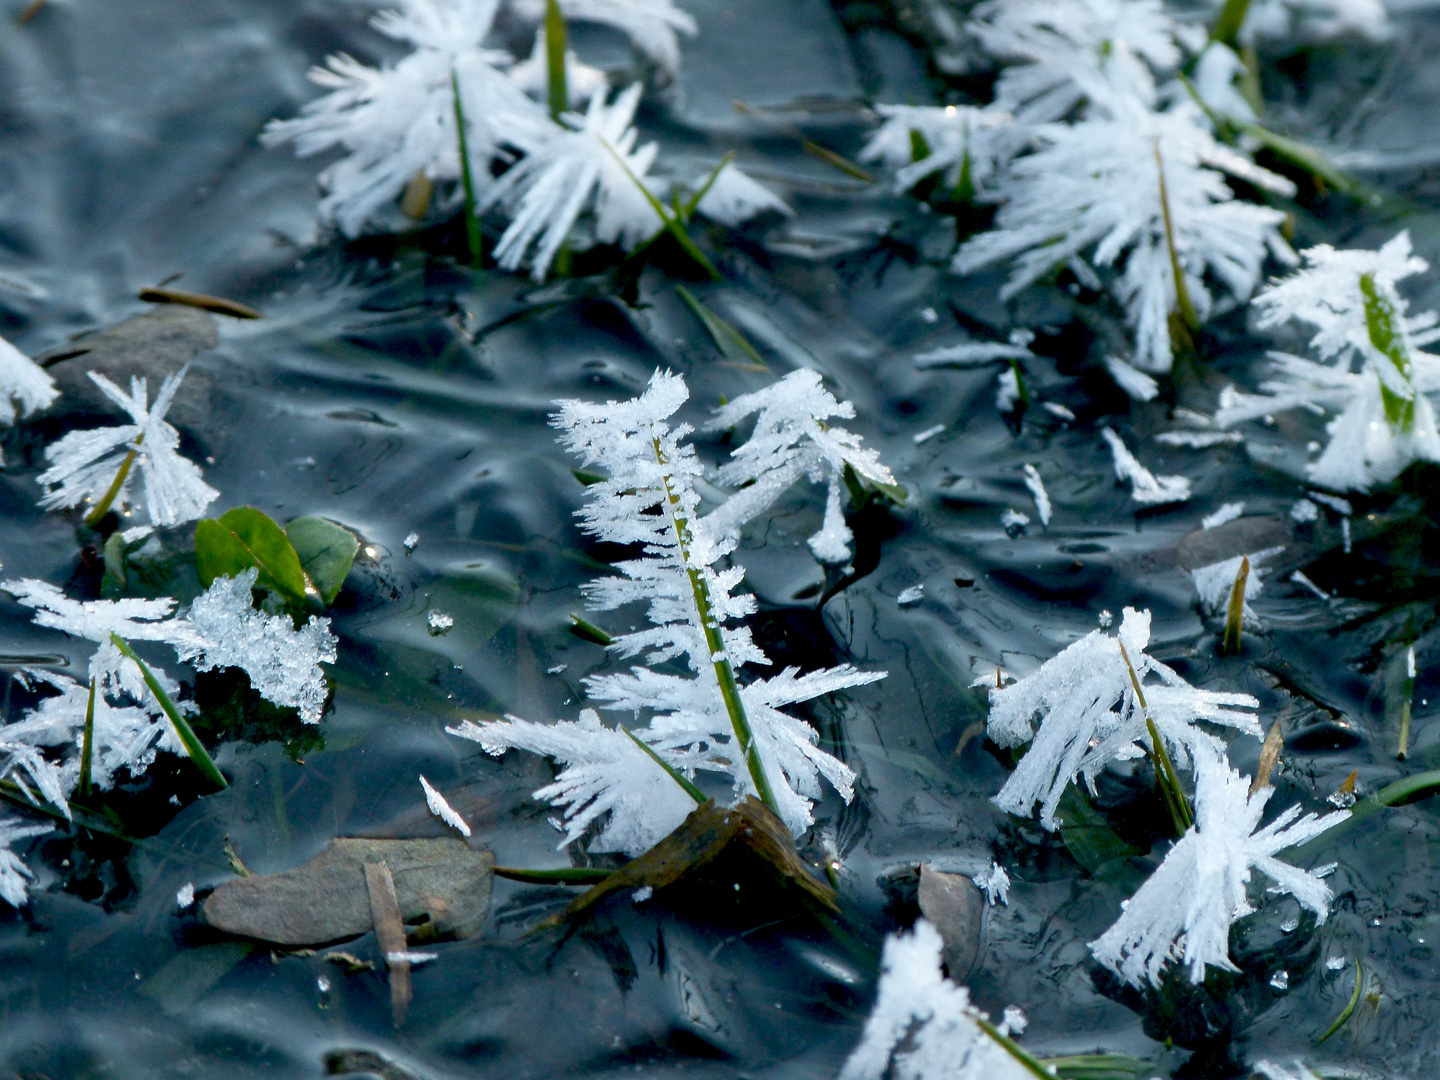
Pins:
x: 1200, y: 888
x: 98, y: 466
x: 1091, y: 714
x: 397, y: 123
x: 924, y: 1027
x: 704, y: 719
x: 1144, y: 192
x: 1372, y: 370
x: 968, y: 146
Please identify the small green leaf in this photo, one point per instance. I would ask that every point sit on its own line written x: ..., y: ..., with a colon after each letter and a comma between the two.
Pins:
x: 1087, y: 836
x: 731, y: 343
x: 193, y: 746
x: 245, y: 537
x: 588, y: 476
x: 326, y: 551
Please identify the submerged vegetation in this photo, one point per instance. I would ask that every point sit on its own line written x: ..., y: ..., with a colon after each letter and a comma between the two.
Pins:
x: 1115, y: 159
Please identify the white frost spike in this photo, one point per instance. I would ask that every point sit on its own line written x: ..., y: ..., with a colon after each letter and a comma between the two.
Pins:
x: 1041, y: 496
x: 1385, y: 419
x: 83, y: 464
x: 1138, y: 385
x: 995, y: 884
x: 1216, y: 73
x: 1200, y: 888
x: 443, y: 810
x: 1093, y: 190
x: 223, y: 629
x: 23, y: 381
x: 605, y: 773
x: 735, y: 198
x: 1227, y: 512
x: 185, y: 896
x: 94, y: 620
x: 1090, y: 716
x: 651, y: 25
x: 971, y: 354
x: 1145, y: 487
x: 16, y: 756
x: 15, y: 876
x: 794, y: 436
x: 1214, y: 583
x: 962, y: 140
x: 396, y: 123
x: 923, y: 1026
x: 584, y: 165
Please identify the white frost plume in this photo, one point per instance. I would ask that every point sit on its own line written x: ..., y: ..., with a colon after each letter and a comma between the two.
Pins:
x: 995, y: 884
x: 24, y: 382
x: 83, y: 464
x: 1094, y: 190
x: 591, y: 163
x: 734, y: 198
x: 972, y: 354
x: 965, y: 143
x: 1090, y: 716
x: 1145, y: 487
x: 1214, y: 583
x: 443, y: 810
x: 795, y: 436
x: 1068, y: 49
x: 1199, y: 891
x: 16, y: 757
x: 132, y: 618
x: 1216, y: 74
x: 1136, y: 384
x: 1385, y: 420
x: 923, y: 1026
x: 605, y: 772
x: 697, y: 720
x: 15, y: 876
x: 223, y: 629
x: 397, y: 123
x: 1314, y: 20
x: 1041, y: 496
x: 1297, y: 1071
x: 651, y: 25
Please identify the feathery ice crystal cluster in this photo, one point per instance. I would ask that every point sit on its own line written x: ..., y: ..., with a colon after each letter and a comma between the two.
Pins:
x: 705, y: 720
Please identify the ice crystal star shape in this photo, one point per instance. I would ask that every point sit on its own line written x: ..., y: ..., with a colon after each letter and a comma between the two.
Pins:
x: 924, y: 1027
x: 1094, y: 189
x: 701, y: 717
x: 794, y: 436
x: 592, y: 164
x: 1200, y: 888
x: 399, y: 122
x: 652, y: 26
x: 1090, y: 715
x: 1372, y: 371
x: 1066, y: 46
x: 84, y: 464
x: 965, y: 144
x: 24, y: 383
x: 15, y: 876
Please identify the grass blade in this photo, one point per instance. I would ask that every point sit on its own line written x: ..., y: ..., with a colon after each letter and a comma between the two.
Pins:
x: 87, y: 746
x: 193, y: 746
x: 732, y: 344
x: 101, y: 508
x: 1235, y: 613
x: 588, y: 631
x: 472, y: 218
x: 1228, y: 22
x: 674, y: 773
x: 1183, y: 303
x: 1349, y: 1009
x: 1166, y: 778
x: 557, y: 93
x: 672, y: 224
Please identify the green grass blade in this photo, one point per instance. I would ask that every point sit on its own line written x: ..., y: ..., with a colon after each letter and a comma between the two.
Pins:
x: 674, y: 773
x: 1228, y: 22
x: 557, y: 92
x: 588, y: 631
x: 733, y: 345
x: 87, y: 746
x: 193, y: 746
x: 672, y: 224
x: 472, y: 217
x: 1349, y: 1009
x: 689, y: 207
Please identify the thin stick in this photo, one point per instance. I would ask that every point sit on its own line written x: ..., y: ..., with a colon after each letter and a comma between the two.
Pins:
x: 390, y: 935
x: 1235, y: 613
x: 1269, y: 755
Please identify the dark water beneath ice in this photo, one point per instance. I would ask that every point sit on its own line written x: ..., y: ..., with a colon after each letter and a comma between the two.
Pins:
x: 393, y: 392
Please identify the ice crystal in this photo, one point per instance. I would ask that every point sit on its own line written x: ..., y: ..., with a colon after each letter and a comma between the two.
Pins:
x: 398, y: 122
x: 1199, y: 890
x: 965, y: 144
x: 1226, y: 513
x: 15, y: 876
x: 649, y: 499
x: 22, y: 382
x: 592, y: 163
x: 1214, y: 583
x: 794, y: 436
x: 1136, y: 384
x: 1145, y: 487
x: 652, y: 26
x: 1041, y: 496
x: 1217, y: 70
x: 1090, y: 715
x: 84, y: 464
x: 911, y: 595
x: 923, y: 1027
x: 223, y: 629
x: 1095, y: 188
x: 995, y: 884
x: 185, y: 896
x: 1371, y: 370
x: 443, y: 810
x: 1286, y: 20
x: 735, y: 198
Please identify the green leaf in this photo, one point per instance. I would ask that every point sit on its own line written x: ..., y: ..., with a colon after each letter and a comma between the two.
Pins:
x: 326, y: 551
x: 1087, y: 836
x: 245, y: 537
x: 193, y: 746
x: 1228, y: 22
x: 731, y: 343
